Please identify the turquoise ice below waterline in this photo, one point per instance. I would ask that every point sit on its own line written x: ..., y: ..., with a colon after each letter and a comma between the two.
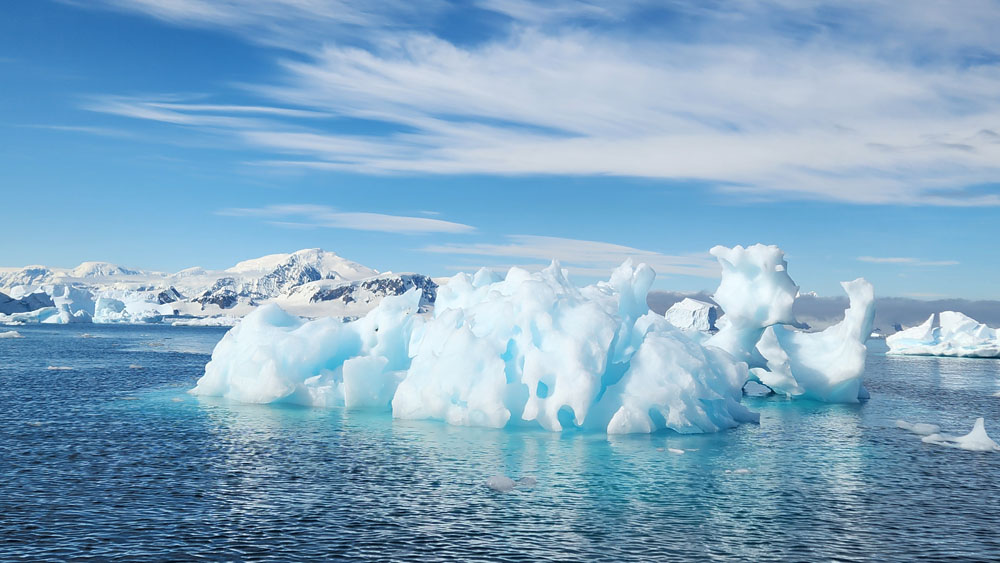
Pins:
x: 113, y: 458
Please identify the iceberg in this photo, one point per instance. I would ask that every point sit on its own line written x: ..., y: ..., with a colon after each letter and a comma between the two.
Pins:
x: 977, y: 440
x: 27, y: 303
x: 531, y: 349
x: 825, y: 365
x: 35, y: 316
x: 691, y: 314
x: 10, y: 334
x: 757, y: 296
x: 130, y: 307
x: 954, y: 335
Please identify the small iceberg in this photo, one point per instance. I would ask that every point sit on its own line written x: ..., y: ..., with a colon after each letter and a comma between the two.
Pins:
x: 11, y: 334
x: 504, y: 484
x: 954, y: 334
x: 975, y: 441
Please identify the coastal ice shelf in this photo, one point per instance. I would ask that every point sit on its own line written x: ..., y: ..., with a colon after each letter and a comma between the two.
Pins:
x: 948, y: 333
x: 531, y: 349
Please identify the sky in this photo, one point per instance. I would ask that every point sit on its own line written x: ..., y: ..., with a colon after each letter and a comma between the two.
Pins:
x: 861, y: 137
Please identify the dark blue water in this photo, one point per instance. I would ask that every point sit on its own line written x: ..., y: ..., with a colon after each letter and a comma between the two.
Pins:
x: 110, y: 461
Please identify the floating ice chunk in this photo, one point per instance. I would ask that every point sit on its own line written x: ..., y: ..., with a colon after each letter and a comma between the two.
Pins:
x: 691, y: 314
x: 955, y: 335
x: 920, y: 428
x: 505, y: 484
x: 501, y: 483
x: 675, y: 451
x: 977, y: 440
x: 10, y: 334
x: 827, y: 365
x: 59, y: 368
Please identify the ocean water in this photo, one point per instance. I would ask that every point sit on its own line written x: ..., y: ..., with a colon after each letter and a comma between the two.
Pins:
x: 112, y: 459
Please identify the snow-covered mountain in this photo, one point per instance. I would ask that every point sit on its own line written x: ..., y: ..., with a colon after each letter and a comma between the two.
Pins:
x: 310, y: 282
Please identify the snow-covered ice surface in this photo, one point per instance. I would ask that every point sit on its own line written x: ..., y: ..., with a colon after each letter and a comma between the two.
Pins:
x: 955, y: 334
x: 533, y: 349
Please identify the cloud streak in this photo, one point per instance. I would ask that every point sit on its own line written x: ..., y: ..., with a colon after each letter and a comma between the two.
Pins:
x: 907, y: 261
x: 584, y: 257
x: 770, y: 100
x: 321, y: 216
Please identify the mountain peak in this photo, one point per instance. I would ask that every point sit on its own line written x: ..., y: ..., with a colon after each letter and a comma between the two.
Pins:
x: 100, y: 269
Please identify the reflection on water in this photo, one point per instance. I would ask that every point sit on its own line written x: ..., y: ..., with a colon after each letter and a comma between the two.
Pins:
x: 172, y: 476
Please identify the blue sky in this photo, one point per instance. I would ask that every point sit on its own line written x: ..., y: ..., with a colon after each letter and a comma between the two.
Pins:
x: 863, y: 138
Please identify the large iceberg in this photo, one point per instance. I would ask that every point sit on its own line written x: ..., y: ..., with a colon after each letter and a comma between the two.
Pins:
x: 532, y: 349
x: 954, y: 335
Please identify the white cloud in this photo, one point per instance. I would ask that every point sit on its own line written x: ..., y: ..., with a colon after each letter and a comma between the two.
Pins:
x: 313, y: 216
x: 782, y: 99
x: 906, y: 261
x: 584, y: 257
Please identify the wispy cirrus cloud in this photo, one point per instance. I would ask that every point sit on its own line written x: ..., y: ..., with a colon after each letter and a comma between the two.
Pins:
x: 906, y: 261
x: 778, y: 99
x: 584, y: 257
x: 321, y: 216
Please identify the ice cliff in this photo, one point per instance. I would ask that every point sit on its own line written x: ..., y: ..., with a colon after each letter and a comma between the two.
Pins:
x: 954, y: 335
x: 532, y: 349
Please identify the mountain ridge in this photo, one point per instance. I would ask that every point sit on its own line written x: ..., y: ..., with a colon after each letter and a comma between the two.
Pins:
x: 97, y: 291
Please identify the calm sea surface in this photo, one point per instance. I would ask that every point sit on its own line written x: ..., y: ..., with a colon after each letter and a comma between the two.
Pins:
x: 112, y: 459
